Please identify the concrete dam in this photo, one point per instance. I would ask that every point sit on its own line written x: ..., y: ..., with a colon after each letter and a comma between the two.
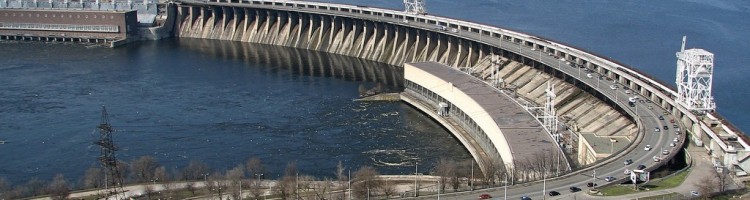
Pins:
x: 402, y: 40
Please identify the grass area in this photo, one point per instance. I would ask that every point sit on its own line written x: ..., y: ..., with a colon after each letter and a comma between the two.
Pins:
x: 671, y: 182
x: 664, y: 196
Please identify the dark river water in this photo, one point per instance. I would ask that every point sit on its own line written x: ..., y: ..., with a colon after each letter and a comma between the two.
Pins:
x: 223, y: 102
x: 214, y: 101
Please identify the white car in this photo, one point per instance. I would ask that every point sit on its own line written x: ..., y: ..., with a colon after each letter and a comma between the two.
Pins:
x: 676, y: 140
x: 657, y: 129
x: 672, y: 144
x: 627, y: 171
x: 647, y: 148
x: 627, y: 91
x: 609, y: 179
x: 657, y: 159
x: 665, y: 152
x: 589, y: 75
x: 614, y: 87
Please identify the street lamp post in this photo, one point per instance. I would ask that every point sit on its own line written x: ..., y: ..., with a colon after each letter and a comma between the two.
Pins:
x: 416, y: 175
x: 505, y: 188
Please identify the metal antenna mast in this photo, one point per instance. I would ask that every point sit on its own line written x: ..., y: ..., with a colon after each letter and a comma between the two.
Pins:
x: 415, y: 7
x: 112, y: 178
x: 695, y: 68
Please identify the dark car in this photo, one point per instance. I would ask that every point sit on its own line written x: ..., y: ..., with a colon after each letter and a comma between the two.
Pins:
x: 590, y: 184
x: 485, y: 196
x: 525, y: 198
x: 553, y: 193
x: 628, y: 161
x: 661, y: 117
x: 574, y: 189
x: 666, y: 128
x: 641, y: 167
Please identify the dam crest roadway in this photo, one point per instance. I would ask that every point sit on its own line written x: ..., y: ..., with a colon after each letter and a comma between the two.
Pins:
x: 585, y: 99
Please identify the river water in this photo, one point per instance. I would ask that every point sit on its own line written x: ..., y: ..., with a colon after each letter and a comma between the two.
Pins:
x: 223, y: 102
x: 214, y: 101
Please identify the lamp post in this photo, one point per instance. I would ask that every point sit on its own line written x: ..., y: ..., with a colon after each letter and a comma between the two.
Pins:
x: 505, y: 188
x: 416, y: 175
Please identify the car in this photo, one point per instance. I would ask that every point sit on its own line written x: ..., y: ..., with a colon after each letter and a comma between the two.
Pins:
x: 657, y: 129
x: 525, y: 198
x: 661, y: 117
x: 665, y: 152
x: 628, y: 161
x: 574, y: 189
x: 671, y: 121
x: 648, y: 101
x: 647, y: 148
x: 677, y: 130
x: 650, y: 107
x: 614, y: 87
x: 641, y: 167
x: 656, y: 159
x: 589, y: 75
x: 590, y: 184
x: 627, y: 91
x: 666, y: 128
x: 676, y: 140
x: 609, y: 179
x: 627, y: 171
x: 665, y: 113
x: 672, y: 144
x: 553, y: 193
x: 485, y: 196
x: 695, y: 193
x: 675, y: 126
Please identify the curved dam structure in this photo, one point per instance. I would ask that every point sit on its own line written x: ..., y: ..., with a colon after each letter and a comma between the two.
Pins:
x: 591, y: 95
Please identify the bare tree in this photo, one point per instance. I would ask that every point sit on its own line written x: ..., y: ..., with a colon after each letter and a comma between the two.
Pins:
x: 366, y: 182
x: 288, y: 183
x: 255, y: 166
x: 235, y: 177
x: 722, y: 179
x: 446, y: 170
x: 93, y: 178
x: 143, y: 168
x: 195, y: 170
x: 190, y: 186
x: 342, y: 178
x: 59, y: 188
x: 322, y: 187
x: 388, y: 189
x: 706, y: 186
x: 218, y: 185
x: 35, y: 187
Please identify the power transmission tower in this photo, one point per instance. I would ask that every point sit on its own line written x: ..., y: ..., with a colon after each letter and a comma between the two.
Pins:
x: 695, y: 69
x: 112, y: 177
x: 415, y: 7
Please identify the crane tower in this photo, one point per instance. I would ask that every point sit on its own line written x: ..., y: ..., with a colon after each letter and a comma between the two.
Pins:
x: 695, y: 68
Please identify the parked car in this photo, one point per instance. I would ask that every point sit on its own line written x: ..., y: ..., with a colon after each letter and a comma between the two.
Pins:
x: 574, y: 189
x: 676, y: 140
x: 609, y: 179
x: 675, y: 126
x: 589, y: 75
x: 525, y: 198
x: 641, y: 167
x: 671, y: 120
x: 628, y: 161
x: 666, y: 128
x: 661, y: 117
x: 657, y: 129
x: 485, y: 196
x: 590, y: 184
x: 665, y: 152
x: 614, y: 87
x: 553, y: 193
x: 627, y: 171
x: 647, y: 148
x: 672, y: 144
x: 656, y: 159
x: 695, y: 193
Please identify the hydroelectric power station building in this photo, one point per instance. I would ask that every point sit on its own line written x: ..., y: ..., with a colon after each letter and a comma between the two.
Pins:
x: 589, y: 97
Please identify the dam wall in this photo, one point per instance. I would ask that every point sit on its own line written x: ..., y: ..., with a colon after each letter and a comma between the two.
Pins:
x: 396, y: 37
